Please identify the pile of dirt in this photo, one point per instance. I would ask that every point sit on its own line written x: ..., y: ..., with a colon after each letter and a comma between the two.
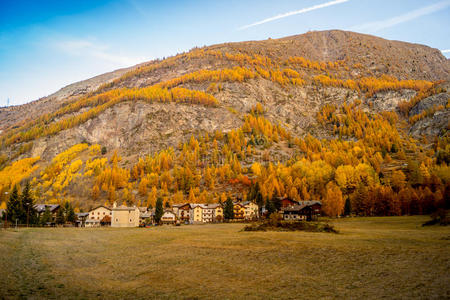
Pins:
x: 291, y: 226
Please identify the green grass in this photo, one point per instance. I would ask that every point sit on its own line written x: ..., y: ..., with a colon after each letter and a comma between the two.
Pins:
x: 372, y: 258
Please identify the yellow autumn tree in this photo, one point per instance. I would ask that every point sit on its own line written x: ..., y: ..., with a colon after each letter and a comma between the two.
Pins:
x: 95, y: 192
x: 333, y: 203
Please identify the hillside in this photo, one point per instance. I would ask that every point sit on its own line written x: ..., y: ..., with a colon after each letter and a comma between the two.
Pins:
x: 299, y: 116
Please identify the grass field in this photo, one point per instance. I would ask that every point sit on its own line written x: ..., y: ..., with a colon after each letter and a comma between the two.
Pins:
x: 391, y: 257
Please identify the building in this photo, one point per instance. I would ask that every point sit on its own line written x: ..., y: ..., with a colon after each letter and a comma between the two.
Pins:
x: 147, y: 217
x: 182, y: 211
x: 285, y: 202
x: 81, y: 219
x: 212, y: 213
x: 195, y: 213
x: 307, y: 210
x: 250, y: 210
x: 207, y: 213
x: 314, y: 209
x: 218, y: 213
x: 143, y: 209
x: 53, y: 208
x: 92, y: 223
x: 239, y: 211
x: 294, y: 213
x: 99, y: 213
x: 124, y: 216
x: 168, y: 217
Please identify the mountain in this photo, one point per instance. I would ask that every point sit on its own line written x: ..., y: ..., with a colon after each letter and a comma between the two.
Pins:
x: 216, y: 120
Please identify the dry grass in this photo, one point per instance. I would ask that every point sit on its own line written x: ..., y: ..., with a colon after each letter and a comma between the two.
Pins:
x: 390, y: 257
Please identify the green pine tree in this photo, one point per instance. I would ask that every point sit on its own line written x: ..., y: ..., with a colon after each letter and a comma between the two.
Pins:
x: 28, y: 205
x: 228, y: 211
x: 347, y: 207
x: 46, y: 216
x: 60, y: 219
x: 14, y: 208
x: 159, y: 211
x: 71, y: 217
x: 270, y: 207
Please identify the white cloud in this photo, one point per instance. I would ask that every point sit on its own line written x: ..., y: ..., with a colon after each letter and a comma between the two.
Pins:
x: 379, y: 25
x: 295, y: 12
x: 445, y: 51
x: 87, y: 48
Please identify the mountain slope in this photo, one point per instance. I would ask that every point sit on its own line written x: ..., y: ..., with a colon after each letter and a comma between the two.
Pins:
x: 216, y: 120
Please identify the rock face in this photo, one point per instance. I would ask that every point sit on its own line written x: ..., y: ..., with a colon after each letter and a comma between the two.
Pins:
x: 438, y: 124
x: 140, y: 128
x: 389, y: 100
x: 429, y: 102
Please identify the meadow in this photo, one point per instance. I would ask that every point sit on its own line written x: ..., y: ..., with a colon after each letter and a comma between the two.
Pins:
x: 379, y: 257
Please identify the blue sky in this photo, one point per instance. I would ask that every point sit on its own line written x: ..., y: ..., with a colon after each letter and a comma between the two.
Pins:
x: 45, y: 45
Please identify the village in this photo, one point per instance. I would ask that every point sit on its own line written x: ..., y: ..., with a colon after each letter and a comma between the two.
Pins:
x: 177, y: 214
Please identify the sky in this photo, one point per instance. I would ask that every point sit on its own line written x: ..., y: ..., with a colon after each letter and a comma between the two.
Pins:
x: 46, y: 45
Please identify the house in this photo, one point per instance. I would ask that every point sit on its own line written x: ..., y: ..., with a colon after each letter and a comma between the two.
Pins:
x: 314, y: 210
x: 53, y: 208
x: 207, y: 213
x: 143, y: 209
x: 239, y: 211
x: 250, y: 210
x: 182, y: 211
x: 81, y: 219
x: 211, y: 212
x: 306, y: 210
x: 99, y: 213
x: 195, y: 213
x: 124, y: 216
x: 146, y: 217
x: 294, y: 213
x: 218, y: 213
x: 168, y: 217
x: 92, y: 223
x: 285, y: 202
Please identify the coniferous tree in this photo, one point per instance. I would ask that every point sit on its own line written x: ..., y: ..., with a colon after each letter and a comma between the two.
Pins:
x: 28, y: 205
x: 46, y: 216
x: 255, y: 195
x: 259, y: 202
x: 60, y: 216
x: 14, y: 208
x: 270, y: 207
x: 347, y: 207
x: 228, y: 211
x: 71, y: 217
x: 159, y: 211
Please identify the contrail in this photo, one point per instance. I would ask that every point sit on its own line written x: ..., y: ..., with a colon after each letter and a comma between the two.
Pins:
x: 379, y: 25
x: 295, y: 12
